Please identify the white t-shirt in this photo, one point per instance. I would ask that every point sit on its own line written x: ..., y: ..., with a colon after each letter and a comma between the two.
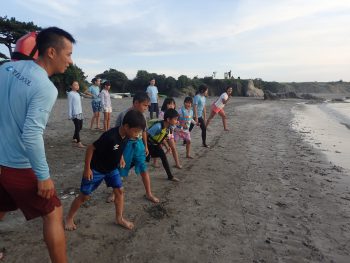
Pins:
x: 219, y: 102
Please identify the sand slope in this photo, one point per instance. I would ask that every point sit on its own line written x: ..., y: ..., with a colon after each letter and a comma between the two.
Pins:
x: 260, y: 194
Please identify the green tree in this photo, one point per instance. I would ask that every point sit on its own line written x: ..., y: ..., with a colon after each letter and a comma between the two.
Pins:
x: 63, y: 81
x: 11, y: 30
x: 119, y: 81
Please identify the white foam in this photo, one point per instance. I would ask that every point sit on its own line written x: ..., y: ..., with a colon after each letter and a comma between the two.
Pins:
x: 324, y: 131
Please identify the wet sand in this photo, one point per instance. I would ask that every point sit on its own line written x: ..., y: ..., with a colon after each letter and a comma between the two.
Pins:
x: 260, y: 194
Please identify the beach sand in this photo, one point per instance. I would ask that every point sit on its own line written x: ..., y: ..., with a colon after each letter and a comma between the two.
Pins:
x: 261, y: 193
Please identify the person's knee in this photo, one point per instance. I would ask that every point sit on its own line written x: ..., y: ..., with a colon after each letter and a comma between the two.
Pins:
x: 118, y: 191
x: 55, y: 215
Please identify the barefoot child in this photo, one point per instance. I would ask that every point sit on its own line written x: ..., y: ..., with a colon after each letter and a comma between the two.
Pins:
x: 218, y: 107
x: 106, y: 105
x: 136, y: 150
x: 75, y: 112
x: 157, y: 134
x: 185, y: 120
x: 169, y: 103
x: 101, y: 163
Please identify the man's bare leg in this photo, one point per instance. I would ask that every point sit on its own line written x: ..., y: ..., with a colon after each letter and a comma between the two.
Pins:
x: 54, y: 235
x: 119, y: 208
x: 2, y: 214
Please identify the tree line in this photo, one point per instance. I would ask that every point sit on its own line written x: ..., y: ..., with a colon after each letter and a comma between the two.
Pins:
x: 11, y: 30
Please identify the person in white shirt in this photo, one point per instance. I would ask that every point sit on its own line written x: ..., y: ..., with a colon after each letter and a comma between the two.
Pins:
x: 75, y: 112
x: 152, y: 92
x: 218, y: 107
x: 106, y: 105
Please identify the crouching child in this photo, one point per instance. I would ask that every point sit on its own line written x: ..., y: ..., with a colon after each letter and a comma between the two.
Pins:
x: 102, y: 161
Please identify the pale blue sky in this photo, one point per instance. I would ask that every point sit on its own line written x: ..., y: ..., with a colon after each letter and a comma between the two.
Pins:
x: 276, y: 40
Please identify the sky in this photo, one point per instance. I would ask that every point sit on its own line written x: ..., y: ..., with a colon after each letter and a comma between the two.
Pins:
x: 275, y: 40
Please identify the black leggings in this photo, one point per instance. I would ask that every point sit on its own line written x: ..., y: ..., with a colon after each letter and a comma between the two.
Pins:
x: 203, y: 128
x: 157, y: 151
x: 78, y: 125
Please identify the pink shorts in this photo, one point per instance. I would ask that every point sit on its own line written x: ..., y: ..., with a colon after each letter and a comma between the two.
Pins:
x: 18, y: 189
x: 216, y: 109
x: 180, y: 134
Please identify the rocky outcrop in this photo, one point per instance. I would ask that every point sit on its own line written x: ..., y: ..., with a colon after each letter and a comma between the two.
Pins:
x: 252, y: 91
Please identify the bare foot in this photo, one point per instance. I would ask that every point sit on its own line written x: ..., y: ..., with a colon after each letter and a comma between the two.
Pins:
x: 189, y: 157
x: 179, y: 166
x: 152, y: 198
x: 125, y: 223
x: 74, y: 140
x: 174, y: 179
x: 110, y: 198
x: 80, y: 145
x: 1, y: 255
x: 69, y: 225
x: 226, y: 130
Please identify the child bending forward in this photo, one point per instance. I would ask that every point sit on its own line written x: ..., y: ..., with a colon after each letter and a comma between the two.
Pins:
x: 102, y: 160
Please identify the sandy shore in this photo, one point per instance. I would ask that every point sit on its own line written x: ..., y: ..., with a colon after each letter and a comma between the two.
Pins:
x: 260, y: 194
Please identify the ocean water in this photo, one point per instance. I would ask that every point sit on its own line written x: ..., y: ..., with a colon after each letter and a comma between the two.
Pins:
x: 326, y: 126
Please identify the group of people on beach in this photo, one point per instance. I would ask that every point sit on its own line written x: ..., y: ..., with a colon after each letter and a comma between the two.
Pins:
x: 26, y: 99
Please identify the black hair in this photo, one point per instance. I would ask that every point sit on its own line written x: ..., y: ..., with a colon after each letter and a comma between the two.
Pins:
x: 106, y: 83
x: 226, y: 89
x: 141, y: 97
x: 170, y: 113
x: 134, y: 119
x: 166, y: 102
x: 94, y: 80
x: 52, y: 37
x: 74, y: 80
x: 188, y: 99
x: 202, y: 88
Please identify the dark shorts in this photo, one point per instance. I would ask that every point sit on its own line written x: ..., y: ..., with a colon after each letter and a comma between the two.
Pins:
x: 18, y: 190
x: 96, y: 106
x: 153, y: 107
x: 112, y: 179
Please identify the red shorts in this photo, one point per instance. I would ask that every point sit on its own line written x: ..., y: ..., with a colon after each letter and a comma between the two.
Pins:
x: 18, y: 189
x: 216, y: 109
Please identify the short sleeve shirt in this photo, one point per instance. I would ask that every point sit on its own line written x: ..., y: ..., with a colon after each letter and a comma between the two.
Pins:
x: 95, y: 91
x: 108, y: 151
x: 219, y: 103
x: 152, y: 92
x: 200, y: 102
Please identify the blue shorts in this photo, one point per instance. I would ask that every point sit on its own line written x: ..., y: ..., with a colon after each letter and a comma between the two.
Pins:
x: 134, y: 155
x: 112, y: 179
x: 96, y: 106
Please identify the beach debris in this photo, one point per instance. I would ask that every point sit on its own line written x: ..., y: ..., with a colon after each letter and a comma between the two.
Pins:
x: 295, y: 188
x: 345, y: 198
x: 269, y: 207
x: 329, y: 180
x: 268, y: 240
x: 280, y: 204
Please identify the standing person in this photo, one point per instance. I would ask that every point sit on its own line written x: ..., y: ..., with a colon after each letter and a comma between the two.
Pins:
x: 152, y: 92
x: 94, y: 92
x: 106, y: 105
x: 26, y: 98
x: 156, y: 135
x: 199, y: 110
x: 75, y: 112
x: 218, y: 107
x: 185, y: 120
x: 136, y: 150
x: 102, y: 160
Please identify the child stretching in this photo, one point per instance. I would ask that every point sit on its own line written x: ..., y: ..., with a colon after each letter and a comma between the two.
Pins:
x: 155, y: 137
x: 185, y: 120
x: 199, y: 110
x: 75, y: 112
x: 106, y: 105
x: 136, y: 149
x: 169, y: 103
x: 218, y: 107
x: 101, y: 163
